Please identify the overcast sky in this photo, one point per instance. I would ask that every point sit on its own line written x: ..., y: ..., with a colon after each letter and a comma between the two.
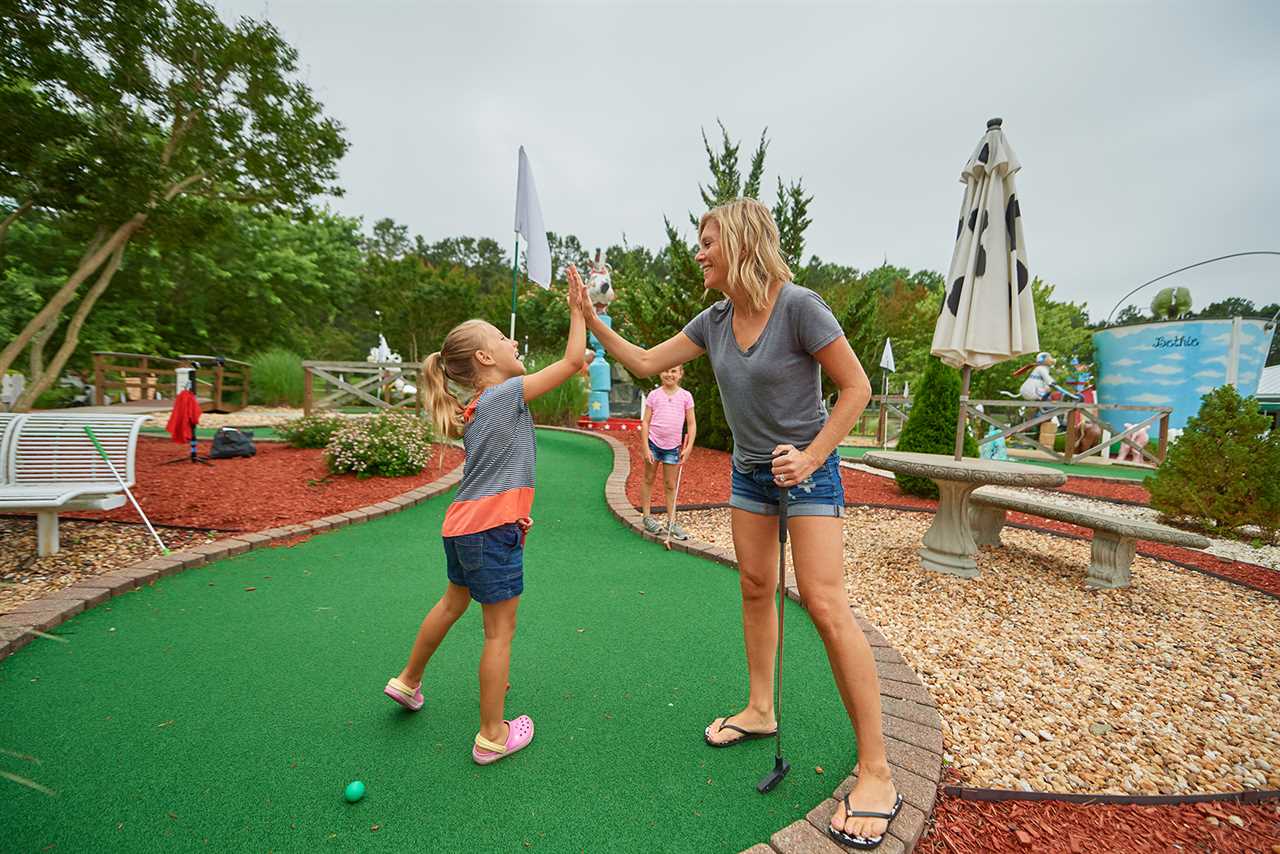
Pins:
x: 1149, y: 132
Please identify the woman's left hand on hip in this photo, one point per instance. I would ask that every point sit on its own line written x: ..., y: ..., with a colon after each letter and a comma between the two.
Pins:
x: 791, y: 465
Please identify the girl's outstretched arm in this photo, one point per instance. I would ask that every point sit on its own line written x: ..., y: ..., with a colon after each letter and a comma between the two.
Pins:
x: 638, y: 361
x: 543, y: 381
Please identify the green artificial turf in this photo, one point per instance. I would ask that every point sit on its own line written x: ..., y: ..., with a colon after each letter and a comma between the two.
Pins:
x: 1112, y: 472
x: 259, y: 433
x: 196, y: 715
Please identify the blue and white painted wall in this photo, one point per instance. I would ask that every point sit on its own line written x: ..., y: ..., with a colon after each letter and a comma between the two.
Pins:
x: 1175, y: 363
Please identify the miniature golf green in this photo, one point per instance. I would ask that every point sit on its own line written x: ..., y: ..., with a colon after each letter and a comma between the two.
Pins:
x: 227, y: 707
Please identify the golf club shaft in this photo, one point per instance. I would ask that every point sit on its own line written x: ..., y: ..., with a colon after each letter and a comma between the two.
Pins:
x: 783, y: 497
x: 675, y: 503
x: 106, y: 459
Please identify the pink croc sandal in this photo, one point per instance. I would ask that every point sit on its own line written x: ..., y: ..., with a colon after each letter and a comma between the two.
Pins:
x: 410, y: 698
x: 519, y: 734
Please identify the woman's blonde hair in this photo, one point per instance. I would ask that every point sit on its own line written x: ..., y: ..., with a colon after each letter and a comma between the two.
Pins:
x: 752, y: 248
x: 454, y: 362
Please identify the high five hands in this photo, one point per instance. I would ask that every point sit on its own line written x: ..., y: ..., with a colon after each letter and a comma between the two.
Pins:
x: 577, y: 296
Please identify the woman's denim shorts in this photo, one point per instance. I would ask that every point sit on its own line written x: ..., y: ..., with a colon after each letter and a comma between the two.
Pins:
x: 490, y: 564
x: 662, y: 455
x: 820, y: 494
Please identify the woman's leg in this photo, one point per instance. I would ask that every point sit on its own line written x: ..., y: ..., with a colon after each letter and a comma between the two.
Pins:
x: 755, y: 542
x: 817, y: 547
x: 452, y: 605
x: 646, y: 486
x: 495, y: 664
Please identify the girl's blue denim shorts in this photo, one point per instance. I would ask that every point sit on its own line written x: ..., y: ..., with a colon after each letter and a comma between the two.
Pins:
x: 490, y: 564
x: 820, y: 494
x: 662, y: 455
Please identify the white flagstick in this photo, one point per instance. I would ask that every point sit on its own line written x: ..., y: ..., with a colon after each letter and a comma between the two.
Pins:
x: 92, y: 438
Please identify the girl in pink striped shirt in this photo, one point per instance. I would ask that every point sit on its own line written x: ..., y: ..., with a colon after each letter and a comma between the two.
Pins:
x: 668, y: 409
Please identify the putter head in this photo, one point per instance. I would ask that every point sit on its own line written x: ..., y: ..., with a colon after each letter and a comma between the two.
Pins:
x: 774, y: 777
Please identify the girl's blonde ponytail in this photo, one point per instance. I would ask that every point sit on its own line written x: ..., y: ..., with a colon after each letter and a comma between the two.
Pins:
x: 444, y: 410
x: 453, y: 362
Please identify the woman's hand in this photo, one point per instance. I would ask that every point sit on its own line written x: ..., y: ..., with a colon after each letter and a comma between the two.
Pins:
x: 791, y: 465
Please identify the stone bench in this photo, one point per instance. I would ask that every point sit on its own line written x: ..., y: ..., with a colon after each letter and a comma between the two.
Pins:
x: 1114, y: 538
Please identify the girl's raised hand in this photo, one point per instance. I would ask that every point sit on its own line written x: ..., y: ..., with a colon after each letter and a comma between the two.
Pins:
x: 577, y: 296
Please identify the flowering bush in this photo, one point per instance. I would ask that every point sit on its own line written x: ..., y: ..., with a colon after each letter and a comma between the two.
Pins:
x: 384, y: 445
x: 313, y: 431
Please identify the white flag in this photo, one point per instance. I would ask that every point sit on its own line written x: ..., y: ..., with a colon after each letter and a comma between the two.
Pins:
x: 529, y: 225
x: 886, y: 359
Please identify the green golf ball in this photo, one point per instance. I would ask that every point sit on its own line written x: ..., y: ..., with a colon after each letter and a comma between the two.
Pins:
x: 355, y: 791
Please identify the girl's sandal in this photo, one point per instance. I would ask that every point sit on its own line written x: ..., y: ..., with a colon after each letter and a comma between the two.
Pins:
x: 519, y: 734
x: 410, y: 698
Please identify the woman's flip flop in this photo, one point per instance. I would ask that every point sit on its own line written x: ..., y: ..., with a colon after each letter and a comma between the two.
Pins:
x: 746, y: 734
x: 519, y: 734
x: 863, y: 843
x: 410, y: 698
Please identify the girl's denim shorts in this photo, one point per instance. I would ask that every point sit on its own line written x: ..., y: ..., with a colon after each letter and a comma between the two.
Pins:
x: 662, y: 455
x: 490, y: 564
x: 820, y: 494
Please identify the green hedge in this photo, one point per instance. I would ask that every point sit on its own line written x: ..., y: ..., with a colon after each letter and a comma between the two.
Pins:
x: 931, y: 425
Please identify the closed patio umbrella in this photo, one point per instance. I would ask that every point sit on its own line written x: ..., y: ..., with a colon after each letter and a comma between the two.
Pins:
x: 988, y: 314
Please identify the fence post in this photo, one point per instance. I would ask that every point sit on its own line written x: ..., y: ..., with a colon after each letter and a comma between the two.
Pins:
x: 217, y: 388
x: 306, y: 390
x: 1164, y: 438
x: 882, y: 423
x: 1072, y: 428
x: 99, y: 378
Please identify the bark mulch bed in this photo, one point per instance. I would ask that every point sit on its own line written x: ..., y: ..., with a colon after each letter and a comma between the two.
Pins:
x: 961, y: 826
x: 706, y: 482
x: 279, y: 486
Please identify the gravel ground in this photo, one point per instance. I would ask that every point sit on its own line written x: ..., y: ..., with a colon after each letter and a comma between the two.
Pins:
x: 1164, y: 687
x: 250, y: 416
x: 87, y: 549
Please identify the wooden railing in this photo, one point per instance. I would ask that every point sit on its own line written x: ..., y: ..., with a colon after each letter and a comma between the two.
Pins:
x: 139, y: 377
x: 374, y: 390
x: 1031, y: 414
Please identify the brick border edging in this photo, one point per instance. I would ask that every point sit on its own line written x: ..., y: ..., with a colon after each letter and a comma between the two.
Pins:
x: 31, y: 618
x: 912, y: 725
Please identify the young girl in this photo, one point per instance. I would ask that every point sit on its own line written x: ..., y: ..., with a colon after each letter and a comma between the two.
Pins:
x: 485, y: 526
x: 667, y: 409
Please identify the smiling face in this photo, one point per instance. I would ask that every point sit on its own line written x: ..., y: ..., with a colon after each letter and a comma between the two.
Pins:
x: 710, y: 257
x: 671, y: 377
x: 500, y: 357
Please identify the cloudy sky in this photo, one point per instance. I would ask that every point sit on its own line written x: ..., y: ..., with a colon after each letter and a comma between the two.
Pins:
x: 1149, y: 132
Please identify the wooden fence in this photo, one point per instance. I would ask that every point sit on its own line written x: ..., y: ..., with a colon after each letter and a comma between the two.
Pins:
x: 146, y: 377
x: 374, y: 390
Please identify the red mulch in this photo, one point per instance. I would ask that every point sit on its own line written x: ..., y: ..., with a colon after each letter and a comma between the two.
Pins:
x: 998, y: 827
x: 706, y: 481
x: 279, y: 486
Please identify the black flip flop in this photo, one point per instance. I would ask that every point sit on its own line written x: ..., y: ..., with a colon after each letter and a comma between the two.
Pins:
x: 863, y: 843
x: 747, y: 735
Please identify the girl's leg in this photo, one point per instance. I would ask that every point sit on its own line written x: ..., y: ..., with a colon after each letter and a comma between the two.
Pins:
x: 669, y: 475
x: 452, y: 605
x: 755, y: 542
x: 495, y: 664
x: 646, y: 486
x: 817, y: 547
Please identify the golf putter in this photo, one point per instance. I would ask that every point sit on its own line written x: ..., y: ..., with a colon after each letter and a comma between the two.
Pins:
x: 671, y: 519
x: 780, y: 765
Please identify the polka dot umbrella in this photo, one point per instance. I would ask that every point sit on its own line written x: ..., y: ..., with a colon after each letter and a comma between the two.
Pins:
x: 988, y: 315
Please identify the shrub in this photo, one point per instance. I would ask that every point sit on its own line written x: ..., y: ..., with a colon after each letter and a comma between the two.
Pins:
x: 277, y: 378
x: 563, y: 405
x: 1224, y: 471
x: 931, y: 425
x: 313, y: 431
x: 384, y: 445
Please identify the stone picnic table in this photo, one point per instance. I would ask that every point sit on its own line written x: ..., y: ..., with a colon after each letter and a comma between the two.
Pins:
x: 948, y: 544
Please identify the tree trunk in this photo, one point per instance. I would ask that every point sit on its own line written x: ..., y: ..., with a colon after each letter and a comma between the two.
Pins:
x: 54, y: 306
x: 38, y: 387
x: 9, y: 220
x: 37, y: 351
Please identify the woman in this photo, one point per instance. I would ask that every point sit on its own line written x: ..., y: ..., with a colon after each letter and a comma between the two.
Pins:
x: 767, y: 341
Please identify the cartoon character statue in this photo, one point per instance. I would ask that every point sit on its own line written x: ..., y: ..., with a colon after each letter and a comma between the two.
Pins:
x: 1080, y: 380
x: 1129, y: 453
x: 600, y: 291
x: 1039, y: 385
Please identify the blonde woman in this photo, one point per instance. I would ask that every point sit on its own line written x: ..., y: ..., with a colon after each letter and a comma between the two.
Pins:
x: 768, y: 340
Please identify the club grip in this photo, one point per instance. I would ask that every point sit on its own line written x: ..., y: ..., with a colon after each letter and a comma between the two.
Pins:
x: 784, y: 495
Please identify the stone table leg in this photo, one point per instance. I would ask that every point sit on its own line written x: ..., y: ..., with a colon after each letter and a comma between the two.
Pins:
x: 986, y: 522
x: 1110, y: 561
x: 948, y: 544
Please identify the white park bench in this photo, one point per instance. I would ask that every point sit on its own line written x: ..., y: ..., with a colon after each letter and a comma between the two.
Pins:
x: 49, y: 465
x: 1114, y: 538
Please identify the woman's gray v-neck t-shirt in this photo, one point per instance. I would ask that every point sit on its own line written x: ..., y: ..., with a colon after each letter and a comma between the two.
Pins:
x: 772, y: 391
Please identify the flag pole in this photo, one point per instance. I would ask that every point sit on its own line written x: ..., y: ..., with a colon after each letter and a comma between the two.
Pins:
x: 515, y: 262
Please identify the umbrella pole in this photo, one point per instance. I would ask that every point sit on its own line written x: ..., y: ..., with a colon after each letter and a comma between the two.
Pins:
x: 960, y: 416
